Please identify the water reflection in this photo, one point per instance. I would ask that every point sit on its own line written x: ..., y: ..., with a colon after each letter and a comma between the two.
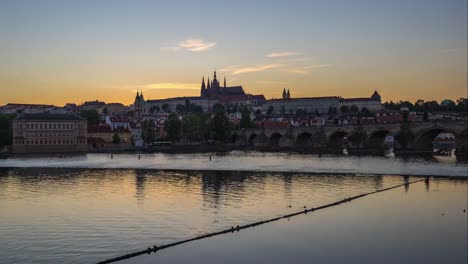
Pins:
x: 53, y: 215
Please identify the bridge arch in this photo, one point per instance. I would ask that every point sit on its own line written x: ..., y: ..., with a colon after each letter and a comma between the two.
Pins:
x: 425, y: 137
x: 357, y: 138
x: 275, y: 139
x: 376, y: 138
x: 251, y: 139
x: 304, y: 139
x: 336, y: 138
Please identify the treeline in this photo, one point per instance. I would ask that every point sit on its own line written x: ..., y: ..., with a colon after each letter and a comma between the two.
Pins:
x: 5, y: 122
x: 430, y: 106
x: 198, y: 126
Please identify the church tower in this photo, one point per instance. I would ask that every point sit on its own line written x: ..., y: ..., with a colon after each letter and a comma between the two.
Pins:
x: 203, y: 88
x: 288, y: 95
x: 284, y: 93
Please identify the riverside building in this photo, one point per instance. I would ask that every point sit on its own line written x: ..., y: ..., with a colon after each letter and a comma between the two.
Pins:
x: 46, y: 133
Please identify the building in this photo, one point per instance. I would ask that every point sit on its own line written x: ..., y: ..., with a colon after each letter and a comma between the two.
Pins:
x: 114, y: 108
x: 101, y: 135
x: 320, y: 105
x: 289, y: 105
x: 45, y: 132
x: 373, y: 103
x: 215, y: 90
x: 25, y: 108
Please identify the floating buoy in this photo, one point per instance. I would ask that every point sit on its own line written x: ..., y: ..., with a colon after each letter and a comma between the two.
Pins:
x: 210, y: 157
x: 112, y: 156
x: 138, y: 156
x: 289, y: 206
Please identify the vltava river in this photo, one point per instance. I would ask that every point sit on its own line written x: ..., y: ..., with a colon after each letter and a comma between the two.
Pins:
x: 84, y: 209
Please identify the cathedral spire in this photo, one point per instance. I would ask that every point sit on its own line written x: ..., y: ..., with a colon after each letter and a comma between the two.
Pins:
x: 214, y: 76
x: 203, y: 83
x: 224, y: 81
x: 208, y: 85
x: 284, y: 93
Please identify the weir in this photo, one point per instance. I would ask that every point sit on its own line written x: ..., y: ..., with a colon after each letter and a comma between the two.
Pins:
x: 155, y: 248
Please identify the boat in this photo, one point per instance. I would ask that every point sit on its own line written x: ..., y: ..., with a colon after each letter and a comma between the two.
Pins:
x: 389, y: 146
x: 444, y: 145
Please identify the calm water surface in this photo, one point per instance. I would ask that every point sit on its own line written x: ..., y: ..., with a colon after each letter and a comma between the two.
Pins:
x: 61, y: 212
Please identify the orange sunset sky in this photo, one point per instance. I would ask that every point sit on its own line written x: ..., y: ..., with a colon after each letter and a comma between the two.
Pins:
x: 76, y: 51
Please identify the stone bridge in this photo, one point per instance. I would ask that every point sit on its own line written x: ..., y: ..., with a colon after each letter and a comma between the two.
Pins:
x: 417, y: 135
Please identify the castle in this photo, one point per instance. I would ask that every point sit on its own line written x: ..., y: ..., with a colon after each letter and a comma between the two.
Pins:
x: 213, y: 89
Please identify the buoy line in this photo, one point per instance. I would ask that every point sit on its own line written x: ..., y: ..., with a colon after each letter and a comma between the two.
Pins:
x: 155, y: 248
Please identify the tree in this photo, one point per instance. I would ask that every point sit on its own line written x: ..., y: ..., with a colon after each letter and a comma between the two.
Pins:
x: 148, y: 131
x: 344, y: 109
x: 116, y: 139
x: 180, y: 108
x: 105, y: 111
x: 91, y: 115
x: 172, y: 127
x: 192, y: 127
x: 354, y: 109
x: 221, y: 126
x: 196, y: 108
x: 425, y: 116
x: 300, y: 112
x: 155, y: 108
x: 462, y: 104
x: 166, y: 108
x: 270, y: 110
x: 218, y: 108
x: 245, y: 121
x: 283, y: 110
x: 365, y: 111
x: 5, y: 122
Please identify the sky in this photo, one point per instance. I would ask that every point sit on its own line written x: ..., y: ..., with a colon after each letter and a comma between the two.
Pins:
x: 57, y: 52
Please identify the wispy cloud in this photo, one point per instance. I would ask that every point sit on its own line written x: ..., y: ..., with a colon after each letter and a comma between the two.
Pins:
x: 269, y: 82
x: 254, y: 68
x: 317, y: 66
x: 283, y: 54
x: 195, y: 45
x: 296, y: 71
x: 185, y: 86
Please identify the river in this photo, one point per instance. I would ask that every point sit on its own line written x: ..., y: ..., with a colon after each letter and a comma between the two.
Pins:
x: 83, y: 209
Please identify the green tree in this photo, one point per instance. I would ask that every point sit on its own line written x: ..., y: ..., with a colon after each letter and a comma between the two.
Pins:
x: 173, y: 126
x: 166, y: 108
x: 218, y: 108
x: 5, y: 122
x: 105, y: 111
x: 91, y: 115
x: 148, y: 131
x: 196, y: 108
x: 425, y: 116
x: 365, y: 111
x: 354, y: 109
x: 245, y: 121
x: 344, y: 109
x: 283, y: 110
x: 462, y: 104
x: 180, y: 108
x: 270, y: 110
x: 192, y: 127
x: 220, y: 126
x: 154, y: 109
x: 116, y: 139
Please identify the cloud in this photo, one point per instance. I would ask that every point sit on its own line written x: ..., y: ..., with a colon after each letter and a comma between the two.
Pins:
x: 185, y: 86
x: 296, y: 71
x: 282, y: 54
x: 254, y: 68
x: 317, y: 66
x: 195, y: 45
x: 269, y: 82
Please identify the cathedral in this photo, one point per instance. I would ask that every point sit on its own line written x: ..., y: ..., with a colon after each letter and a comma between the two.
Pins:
x: 214, y: 89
